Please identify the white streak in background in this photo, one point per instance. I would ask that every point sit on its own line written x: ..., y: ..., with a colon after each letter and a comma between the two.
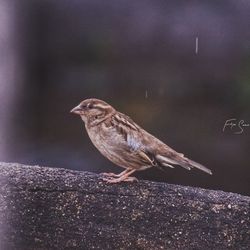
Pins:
x: 9, y: 89
x: 196, y: 45
x: 6, y: 75
x: 9, y: 76
x: 146, y: 94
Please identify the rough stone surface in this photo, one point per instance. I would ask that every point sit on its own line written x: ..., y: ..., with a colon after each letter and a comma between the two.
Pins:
x: 52, y: 208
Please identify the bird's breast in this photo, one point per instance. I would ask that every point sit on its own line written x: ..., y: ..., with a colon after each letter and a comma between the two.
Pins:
x: 107, y: 141
x: 102, y: 137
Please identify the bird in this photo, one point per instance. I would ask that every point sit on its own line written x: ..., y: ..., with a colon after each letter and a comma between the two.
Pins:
x: 126, y: 144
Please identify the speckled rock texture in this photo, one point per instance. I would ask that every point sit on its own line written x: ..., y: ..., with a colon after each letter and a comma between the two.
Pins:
x: 53, y: 208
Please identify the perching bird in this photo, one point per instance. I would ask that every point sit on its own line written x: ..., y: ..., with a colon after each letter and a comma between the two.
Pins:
x: 125, y: 143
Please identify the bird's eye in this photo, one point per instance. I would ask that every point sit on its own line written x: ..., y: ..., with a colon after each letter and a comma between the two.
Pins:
x: 87, y: 106
x: 90, y: 105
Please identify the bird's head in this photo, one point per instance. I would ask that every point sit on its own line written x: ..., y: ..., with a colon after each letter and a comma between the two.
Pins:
x: 93, y: 110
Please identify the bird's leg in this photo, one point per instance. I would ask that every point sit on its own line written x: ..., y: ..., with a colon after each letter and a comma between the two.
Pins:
x: 123, y: 177
x: 116, y: 175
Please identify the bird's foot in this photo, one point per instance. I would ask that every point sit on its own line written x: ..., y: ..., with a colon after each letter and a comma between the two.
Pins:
x: 120, y: 179
x: 110, y: 175
x: 131, y: 179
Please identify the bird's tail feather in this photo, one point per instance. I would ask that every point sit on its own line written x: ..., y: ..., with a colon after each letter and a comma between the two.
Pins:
x: 194, y: 164
x: 182, y: 161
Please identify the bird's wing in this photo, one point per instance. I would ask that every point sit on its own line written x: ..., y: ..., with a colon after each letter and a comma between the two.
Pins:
x: 132, y: 139
x: 151, y: 151
x: 147, y: 157
x: 140, y: 143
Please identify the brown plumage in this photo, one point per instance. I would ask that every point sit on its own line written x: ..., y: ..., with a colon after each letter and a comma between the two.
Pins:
x: 125, y: 143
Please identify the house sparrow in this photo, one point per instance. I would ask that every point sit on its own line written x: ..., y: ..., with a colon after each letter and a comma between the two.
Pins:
x: 125, y: 143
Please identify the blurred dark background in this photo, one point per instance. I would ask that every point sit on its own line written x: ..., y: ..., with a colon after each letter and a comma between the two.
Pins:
x: 179, y: 68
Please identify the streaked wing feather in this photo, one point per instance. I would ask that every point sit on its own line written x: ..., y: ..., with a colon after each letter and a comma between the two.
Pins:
x: 145, y: 158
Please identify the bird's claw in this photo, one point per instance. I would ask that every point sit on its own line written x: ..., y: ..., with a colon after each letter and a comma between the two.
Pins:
x: 131, y: 179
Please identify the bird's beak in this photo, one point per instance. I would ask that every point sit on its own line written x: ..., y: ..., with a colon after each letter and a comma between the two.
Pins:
x: 76, y: 110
